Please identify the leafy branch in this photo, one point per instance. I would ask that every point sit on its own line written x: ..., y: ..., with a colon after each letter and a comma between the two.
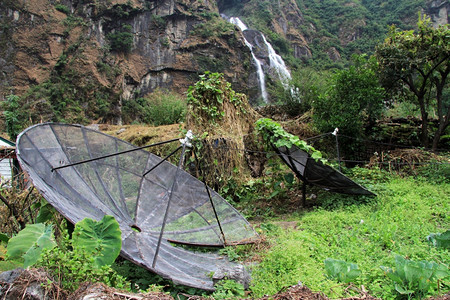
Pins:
x: 274, y: 134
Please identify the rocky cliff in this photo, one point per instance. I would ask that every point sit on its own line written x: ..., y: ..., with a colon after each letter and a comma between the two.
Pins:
x: 80, y: 60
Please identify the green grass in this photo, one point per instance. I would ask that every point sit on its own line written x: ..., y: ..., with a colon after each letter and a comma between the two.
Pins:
x: 396, y: 222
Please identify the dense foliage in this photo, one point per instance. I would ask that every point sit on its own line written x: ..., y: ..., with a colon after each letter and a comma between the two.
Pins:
x: 353, y: 101
x: 121, y: 40
x: 348, y: 26
x: 369, y: 19
x: 420, y: 63
x: 161, y: 107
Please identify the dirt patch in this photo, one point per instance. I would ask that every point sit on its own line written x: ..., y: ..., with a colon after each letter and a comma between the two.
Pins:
x: 297, y: 292
x: 101, y: 291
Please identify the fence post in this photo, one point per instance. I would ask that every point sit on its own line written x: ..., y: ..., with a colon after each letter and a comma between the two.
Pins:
x: 335, y: 133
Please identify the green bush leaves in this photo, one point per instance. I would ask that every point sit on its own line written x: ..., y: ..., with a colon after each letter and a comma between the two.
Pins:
x: 440, y: 240
x: 273, y: 133
x: 102, y: 239
x: 341, y: 270
x: 415, y: 277
x: 30, y: 242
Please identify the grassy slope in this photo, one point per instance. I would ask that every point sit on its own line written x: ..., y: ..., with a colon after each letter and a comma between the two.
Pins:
x: 396, y: 222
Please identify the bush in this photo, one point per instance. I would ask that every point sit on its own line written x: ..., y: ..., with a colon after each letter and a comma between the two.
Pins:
x: 353, y: 102
x: 14, y: 116
x: 166, y: 108
x: 354, y: 99
x: 303, y: 89
x: 158, y: 108
x: 121, y: 41
x: 62, y: 8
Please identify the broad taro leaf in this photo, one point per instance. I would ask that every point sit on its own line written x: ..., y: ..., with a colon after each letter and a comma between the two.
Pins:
x: 402, y: 290
x: 417, y: 275
x: 332, y: 267
x: 441, y: 271
x: 341, y: 270
x: 352, y: 273
x: 440, y: 240
x: 101, y: 239
x: 392, y: 275
x: 400, y: 263
x: 46, y: 212
x: 30, y: 242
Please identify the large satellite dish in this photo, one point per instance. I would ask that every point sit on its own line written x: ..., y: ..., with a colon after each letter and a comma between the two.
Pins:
x: 86, y: 173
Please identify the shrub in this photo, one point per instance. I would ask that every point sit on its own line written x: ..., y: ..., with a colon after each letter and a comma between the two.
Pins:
x: 121, y: 41
x: 166, y: 108
x: 62, y: 8
x: 354, y: 99
x: 341, y: 270
x: 14, y: 116
x: 415, y: 277
x: 229, y: 289
x: 88, y: 256
x: 158, y: 108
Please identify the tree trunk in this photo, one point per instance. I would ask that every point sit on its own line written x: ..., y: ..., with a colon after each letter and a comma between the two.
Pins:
x: 444, y: 117
x: 424, y: 133
x: 439, y: 132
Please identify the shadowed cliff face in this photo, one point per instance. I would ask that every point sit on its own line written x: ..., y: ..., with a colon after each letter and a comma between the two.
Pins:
x: 81, y: 60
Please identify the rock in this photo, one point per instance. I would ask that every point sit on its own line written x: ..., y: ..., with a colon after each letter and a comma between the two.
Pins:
x: 238, y: 273
x: 10, y: 276
x: 32, y: 284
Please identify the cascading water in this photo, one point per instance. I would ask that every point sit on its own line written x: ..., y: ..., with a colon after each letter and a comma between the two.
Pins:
x: 276, y: 64
x: 261, y: 77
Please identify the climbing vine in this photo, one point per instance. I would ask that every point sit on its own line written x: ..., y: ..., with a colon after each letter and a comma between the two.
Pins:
x: 274, y: 134
x: 206, y: 97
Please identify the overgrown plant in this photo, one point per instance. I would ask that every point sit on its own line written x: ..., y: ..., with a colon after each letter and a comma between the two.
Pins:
x: 73, y: 267
x: 228, y: 289
x: 86, y: 257
x: 274, y: 134
x: 121, y: 40
x: 161, y: 107
x: 415, y: 277
x: 14, y: 116
x: 440, y: 240
x: 30, y: 242
x: 341, y: 270
x: 206, y: 97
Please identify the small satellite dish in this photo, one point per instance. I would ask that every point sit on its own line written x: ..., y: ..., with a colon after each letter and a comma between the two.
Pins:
x: 316, y: 173
x: 84, y: 173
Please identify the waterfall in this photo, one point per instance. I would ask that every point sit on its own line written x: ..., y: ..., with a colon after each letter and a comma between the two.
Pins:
x: 276, y: 63
x: 259, y: 70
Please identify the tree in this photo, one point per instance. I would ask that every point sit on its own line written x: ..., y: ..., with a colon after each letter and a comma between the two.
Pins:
x: 14, y: 116
x: 354, y: 99
x: 420, y: 62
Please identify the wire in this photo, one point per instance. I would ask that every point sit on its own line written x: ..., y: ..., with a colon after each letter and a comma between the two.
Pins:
x: 331, y: 160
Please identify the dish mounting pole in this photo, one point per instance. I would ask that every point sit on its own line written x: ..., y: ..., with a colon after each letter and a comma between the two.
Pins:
x: 186, y: 142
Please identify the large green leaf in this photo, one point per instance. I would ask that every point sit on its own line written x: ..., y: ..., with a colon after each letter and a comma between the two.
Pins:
x: 440, y: 240
x: 101, y: 239
x: 4, y: 237
x: 46, y: 212
x: 341, y: 270
x: 30, y: 242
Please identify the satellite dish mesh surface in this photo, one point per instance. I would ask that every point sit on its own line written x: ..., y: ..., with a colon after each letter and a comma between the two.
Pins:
x: 166, y: 204
x: 316, y: 173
